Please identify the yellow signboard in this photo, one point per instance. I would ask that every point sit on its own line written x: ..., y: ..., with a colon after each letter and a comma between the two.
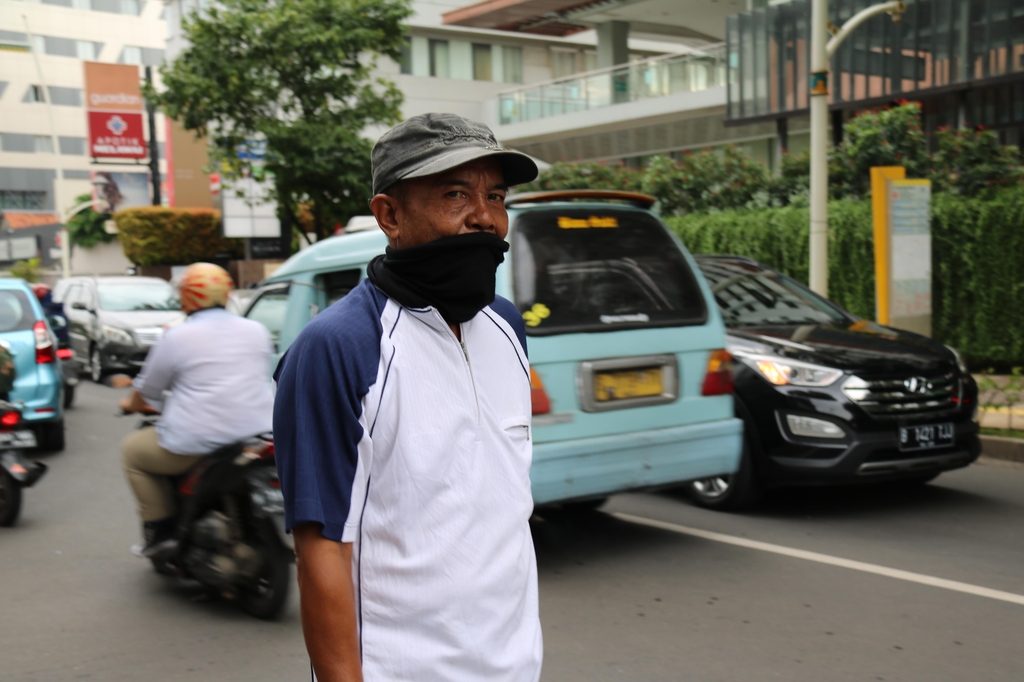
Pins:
x: 903, y: 250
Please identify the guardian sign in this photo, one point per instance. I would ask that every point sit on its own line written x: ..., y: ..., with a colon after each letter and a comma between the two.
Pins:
x: 114, y: 108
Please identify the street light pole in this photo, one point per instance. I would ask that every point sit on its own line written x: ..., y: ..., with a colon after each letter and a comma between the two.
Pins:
x: 819, y: 148
x: 822, y: 50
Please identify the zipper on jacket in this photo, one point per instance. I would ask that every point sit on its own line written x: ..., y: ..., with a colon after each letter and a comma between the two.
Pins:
x: 465, y: 355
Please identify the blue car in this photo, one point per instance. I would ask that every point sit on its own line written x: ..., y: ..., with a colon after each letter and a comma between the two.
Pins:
x: 632, y: 387
x: 26, y: 333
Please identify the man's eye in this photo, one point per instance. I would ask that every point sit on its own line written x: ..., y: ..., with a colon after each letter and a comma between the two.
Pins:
x: 454, y: 194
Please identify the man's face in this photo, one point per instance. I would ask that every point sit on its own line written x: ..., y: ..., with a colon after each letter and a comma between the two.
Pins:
x: 466, y: 199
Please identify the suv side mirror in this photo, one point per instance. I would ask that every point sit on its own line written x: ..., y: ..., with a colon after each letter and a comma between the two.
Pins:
x: 78, y: 305
x: 58, y: 321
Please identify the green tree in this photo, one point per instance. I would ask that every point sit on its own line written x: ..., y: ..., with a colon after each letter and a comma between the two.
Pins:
x: 86, y: 227
x: 711, y: 180
x: 297, y: 74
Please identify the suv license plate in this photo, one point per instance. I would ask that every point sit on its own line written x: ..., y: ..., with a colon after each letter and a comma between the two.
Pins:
x: 926, y: 437
x: 17, y: 439
x: 628, y: 383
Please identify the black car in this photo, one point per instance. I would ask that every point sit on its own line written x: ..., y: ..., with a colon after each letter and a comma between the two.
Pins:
x: 829, y: 398
x: 114, y: 321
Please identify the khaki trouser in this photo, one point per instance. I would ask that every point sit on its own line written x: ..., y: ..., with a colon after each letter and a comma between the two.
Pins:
x: 146, y: 464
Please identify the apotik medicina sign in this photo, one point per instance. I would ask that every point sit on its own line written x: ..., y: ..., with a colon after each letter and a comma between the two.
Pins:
x: 114, y: 107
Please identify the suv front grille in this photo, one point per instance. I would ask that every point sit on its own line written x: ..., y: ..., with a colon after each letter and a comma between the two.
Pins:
x: 910, y: 395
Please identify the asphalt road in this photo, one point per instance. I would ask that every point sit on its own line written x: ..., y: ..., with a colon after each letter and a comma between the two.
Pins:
x: 619, y: 599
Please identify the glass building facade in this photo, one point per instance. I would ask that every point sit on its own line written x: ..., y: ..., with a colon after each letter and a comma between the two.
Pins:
x: 962, y: 59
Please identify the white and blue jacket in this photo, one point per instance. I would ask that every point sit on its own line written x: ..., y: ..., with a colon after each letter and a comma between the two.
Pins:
x: 416, y: 448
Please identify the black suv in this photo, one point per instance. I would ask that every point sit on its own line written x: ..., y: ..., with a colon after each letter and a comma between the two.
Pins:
x: 829, y: 398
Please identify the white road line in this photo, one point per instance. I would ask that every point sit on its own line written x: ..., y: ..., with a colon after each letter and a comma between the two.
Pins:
x: 896, y: 573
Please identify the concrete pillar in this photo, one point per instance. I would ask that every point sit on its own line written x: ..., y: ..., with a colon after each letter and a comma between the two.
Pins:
x: 612, y: 43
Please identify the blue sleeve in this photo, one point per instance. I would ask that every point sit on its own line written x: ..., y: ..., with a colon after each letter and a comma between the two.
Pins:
x: 508, y: 312
x: 321, y: 382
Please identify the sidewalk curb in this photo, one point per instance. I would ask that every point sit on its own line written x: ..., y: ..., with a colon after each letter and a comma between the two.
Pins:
x: 1009, y: 449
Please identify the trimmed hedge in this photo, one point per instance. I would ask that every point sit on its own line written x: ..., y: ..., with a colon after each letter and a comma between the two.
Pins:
x: 154, y: 235
x: 977, y: 263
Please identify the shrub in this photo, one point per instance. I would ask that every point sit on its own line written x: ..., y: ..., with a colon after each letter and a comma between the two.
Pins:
x: 972, y: 162
x: 27, y: 270
x: 977, y: 263
x: 585, y: 176
x: 154, y: 235
x: 711, y: 180
x: 86, y: 228
x: 890, y: 137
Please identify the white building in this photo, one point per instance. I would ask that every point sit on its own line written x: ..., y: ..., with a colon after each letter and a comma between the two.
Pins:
x: 63, y: 34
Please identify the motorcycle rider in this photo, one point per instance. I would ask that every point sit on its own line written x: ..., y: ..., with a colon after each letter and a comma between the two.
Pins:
x: 210, y: 379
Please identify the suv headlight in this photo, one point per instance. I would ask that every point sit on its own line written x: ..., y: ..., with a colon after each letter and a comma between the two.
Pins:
x: 782, y: 371
x: 115, y: 335
x: 959, y: 359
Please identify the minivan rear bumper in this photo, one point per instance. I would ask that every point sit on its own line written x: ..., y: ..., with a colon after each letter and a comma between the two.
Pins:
x: 591, y: 467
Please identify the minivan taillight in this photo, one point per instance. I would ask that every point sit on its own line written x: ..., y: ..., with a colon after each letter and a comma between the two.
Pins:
x: 718, y: 378
x: 538, y: 396
x: 45, y: 350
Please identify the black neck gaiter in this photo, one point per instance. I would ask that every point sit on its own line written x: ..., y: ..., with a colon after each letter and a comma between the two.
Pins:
x: 453, y: 274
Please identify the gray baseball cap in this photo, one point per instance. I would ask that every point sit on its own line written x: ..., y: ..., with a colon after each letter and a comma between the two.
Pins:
x: 433, y: 143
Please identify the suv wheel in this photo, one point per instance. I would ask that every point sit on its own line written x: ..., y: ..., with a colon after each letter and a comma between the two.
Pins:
x: 96, y: 365
x: 732, y: 491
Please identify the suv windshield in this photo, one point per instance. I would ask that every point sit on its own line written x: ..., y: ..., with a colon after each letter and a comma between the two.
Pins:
x: 749, y: 295
x: 126, y: 297
x: 600, y: 269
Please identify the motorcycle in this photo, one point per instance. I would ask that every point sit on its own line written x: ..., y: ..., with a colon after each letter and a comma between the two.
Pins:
x: 229, y: 533
x: 15, y: 471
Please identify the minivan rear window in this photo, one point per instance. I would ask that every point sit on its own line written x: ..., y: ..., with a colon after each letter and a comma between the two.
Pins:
x: 586, y: 269
x: 15, y: 311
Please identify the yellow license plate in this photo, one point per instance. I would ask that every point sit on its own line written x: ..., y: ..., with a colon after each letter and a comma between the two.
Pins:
x: 627, y: 383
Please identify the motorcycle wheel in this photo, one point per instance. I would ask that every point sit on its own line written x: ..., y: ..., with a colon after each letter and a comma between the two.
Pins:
x: 268, y: 597
x: 69, y: 396
x: 10, y: 499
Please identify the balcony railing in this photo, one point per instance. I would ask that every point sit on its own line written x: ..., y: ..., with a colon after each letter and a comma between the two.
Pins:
x: 655, y: 77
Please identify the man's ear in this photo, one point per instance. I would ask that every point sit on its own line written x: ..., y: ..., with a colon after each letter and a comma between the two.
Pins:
x: 385, y: 210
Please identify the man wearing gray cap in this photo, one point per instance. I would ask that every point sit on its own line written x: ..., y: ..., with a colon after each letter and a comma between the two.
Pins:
x: 402, y: 432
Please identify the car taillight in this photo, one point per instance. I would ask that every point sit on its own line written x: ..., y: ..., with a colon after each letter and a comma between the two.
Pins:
x: 65, y: 353
x: 538, y: 396
x: 10, y: 419
x: 718, y: 378
x: 45, y: 350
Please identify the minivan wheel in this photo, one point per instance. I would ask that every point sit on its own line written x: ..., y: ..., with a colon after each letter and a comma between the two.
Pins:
x: 10, y: 499
x: 51, y: 436
x: 96, y: 365
x: 729, y: 492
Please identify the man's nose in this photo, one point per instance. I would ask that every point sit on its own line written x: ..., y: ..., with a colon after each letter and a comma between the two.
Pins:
x: 481, y: 218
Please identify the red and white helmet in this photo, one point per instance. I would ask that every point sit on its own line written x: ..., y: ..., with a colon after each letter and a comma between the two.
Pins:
x: 204, y: 285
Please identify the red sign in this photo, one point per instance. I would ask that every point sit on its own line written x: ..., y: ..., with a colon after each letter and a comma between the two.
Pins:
x: 117, y: 134
x: 114, y: 106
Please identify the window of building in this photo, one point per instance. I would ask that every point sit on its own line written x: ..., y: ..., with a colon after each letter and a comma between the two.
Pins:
x: 23, y: 199
x: 34, y: 94
x: 72, y: 174
x: 563, y: 63
x: 130, y: 7
x: 74, y: 146
x: 131, y: 55
x: 81, y: 4
x: 3, y: 88
x: 405, y: 63
x: 589, y: 60
x: 482, y: 68
x: 512, y: 64
x: 65, y: 97
x: 85, y: 49
x: 26, y: 144
x: 440, y: 64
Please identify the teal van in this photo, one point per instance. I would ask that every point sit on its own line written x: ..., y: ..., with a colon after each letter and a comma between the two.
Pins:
x: 632, y: 388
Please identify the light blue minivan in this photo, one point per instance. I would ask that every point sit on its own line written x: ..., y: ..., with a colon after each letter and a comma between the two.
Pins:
x: 631, y: 385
